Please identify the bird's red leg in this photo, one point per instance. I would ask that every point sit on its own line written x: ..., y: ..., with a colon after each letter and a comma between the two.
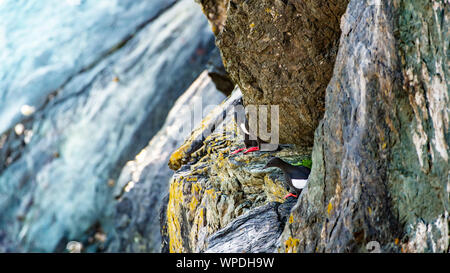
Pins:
x: 289, y: 195
x: 237, y: 151
x: 252, y: 149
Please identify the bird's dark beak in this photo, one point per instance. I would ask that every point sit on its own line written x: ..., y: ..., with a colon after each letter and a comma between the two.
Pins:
x: 265, y: 167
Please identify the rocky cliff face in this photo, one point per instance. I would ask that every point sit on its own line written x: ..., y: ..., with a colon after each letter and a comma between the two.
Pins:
x: 85, y: 145
x: 380, y: 174
x: 211, y: 189
x: 282, y: 53
x: 144, y: 181
x: 380, y: 156
x: 73, y: 111
x: 216, y: 12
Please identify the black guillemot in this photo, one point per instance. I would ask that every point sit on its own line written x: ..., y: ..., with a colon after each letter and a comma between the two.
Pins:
x: 296, y: 177
x: 252, y: 142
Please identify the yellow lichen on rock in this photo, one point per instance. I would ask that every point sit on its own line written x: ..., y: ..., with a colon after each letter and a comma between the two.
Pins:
x: 291, y: 245
x: 291, y: 219
x: 176, y: 157
x: 181, y: 155
x: 193, y: 204
x: 274, y: 191
x: 329, y: 208
x: 173, y: 216
x: 195, y: 193
x: 211, y: 193
x: 216, y: 186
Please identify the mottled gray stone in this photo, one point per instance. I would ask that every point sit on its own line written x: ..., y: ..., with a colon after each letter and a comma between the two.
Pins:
x: 102, y: 82
x: 380, y: 160
x: 217, y: 72
x: 281, y: 52
x: 254, y: 232
x: 137, y: 213
x: 212, y: 187
x: 43, y: 44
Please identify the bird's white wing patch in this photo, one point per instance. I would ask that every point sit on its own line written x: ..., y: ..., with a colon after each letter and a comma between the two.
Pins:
x: 299, y: 183
x: 244, y: 129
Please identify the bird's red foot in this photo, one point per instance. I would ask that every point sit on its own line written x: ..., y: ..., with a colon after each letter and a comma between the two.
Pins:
x: 237, y: 151
x: 289, y: 195
x: 252, y: 149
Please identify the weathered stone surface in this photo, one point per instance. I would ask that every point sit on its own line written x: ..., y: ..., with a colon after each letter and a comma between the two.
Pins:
x: 282, y: 53
x: 380, y: 160
x: 211, y: 188
x: 144, y: 181
x: 380, y: 175
x: 188, y: 151
x: 40, y: 54
x: 254, y: 232
x: 98, y: 99
x: 216, y: 12
x: 217, y: 72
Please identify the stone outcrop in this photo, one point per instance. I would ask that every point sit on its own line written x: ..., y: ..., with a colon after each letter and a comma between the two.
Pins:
x: 145, y: 181
x: 379, y: 181
x: 256, y: 231
x: 282, y: 53
x: 217, y: 72
x: 212, y: 188
x: 363, y: 92
x: 73, y: 111
x: 216, y: 12
x: 40, y: 55
x: 380, y: 172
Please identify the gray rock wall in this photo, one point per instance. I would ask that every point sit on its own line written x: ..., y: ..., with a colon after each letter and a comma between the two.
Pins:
x: 380, y: 176
x: 282, y: 53
x: 101, y: 77
x: 380, y: 159
x: 254, y: 232
x: 45, y: 44
x: 146, y: 179
x: 224, y: 202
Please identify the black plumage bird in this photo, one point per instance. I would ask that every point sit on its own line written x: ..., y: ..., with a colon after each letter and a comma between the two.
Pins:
x: 252, y: 142
x: 296, y: 177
